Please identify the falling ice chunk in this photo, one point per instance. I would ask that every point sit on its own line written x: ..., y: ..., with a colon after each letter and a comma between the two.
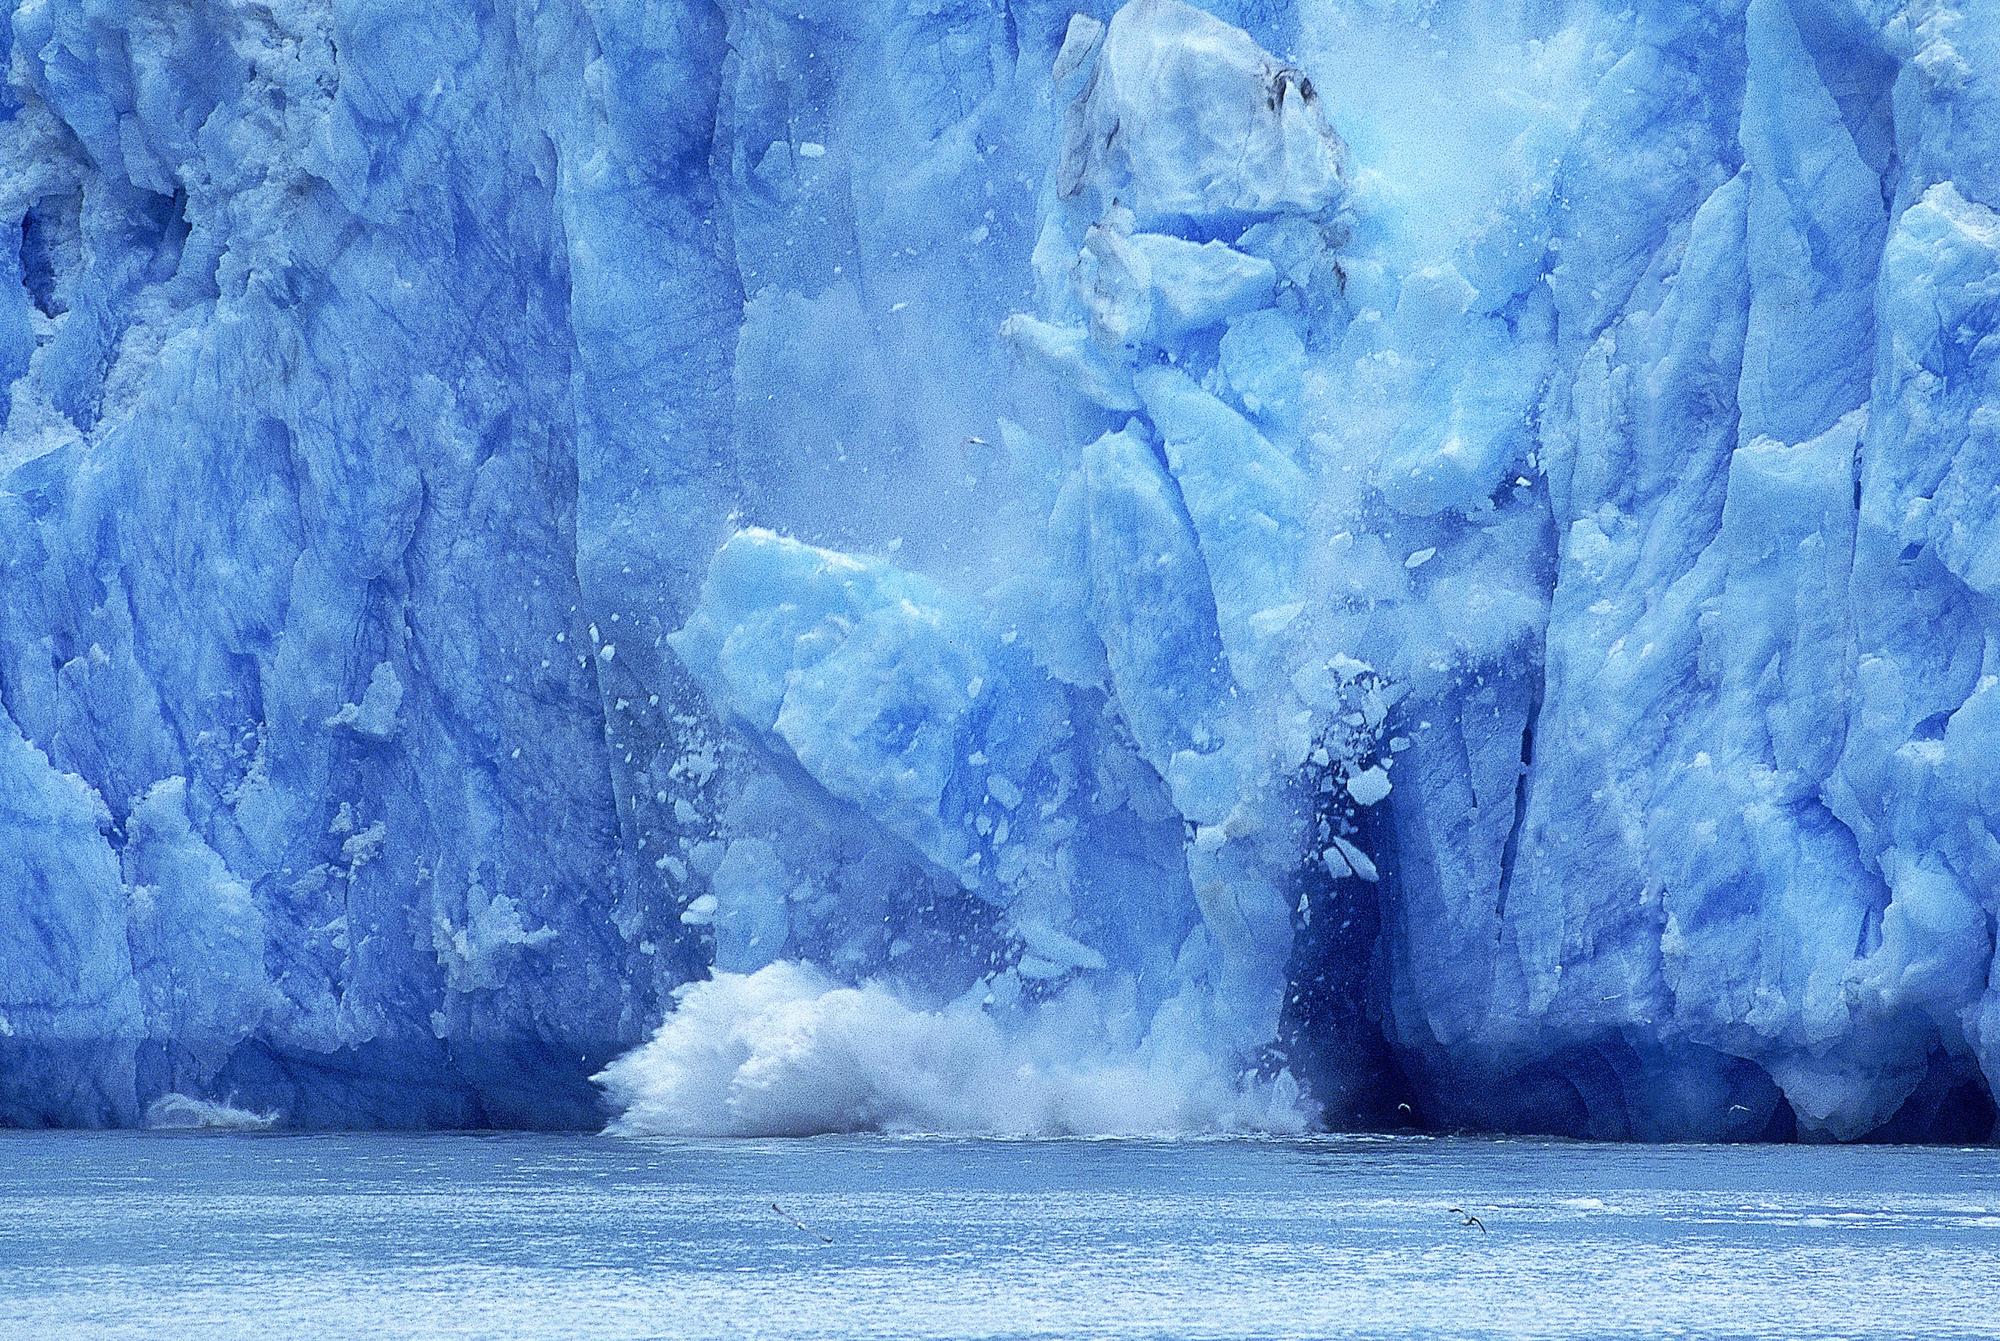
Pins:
x: 1368, y: 786
x: 1344, y: 859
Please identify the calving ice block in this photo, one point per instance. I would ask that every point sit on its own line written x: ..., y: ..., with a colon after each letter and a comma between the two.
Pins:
x: 863, y: 565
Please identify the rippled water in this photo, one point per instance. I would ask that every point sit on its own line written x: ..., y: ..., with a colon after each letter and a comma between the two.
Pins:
x: 275, y: 1236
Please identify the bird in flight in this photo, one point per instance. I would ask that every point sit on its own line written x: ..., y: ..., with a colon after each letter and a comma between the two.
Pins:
x: 798, y: 1224
x: 1470, y: 1219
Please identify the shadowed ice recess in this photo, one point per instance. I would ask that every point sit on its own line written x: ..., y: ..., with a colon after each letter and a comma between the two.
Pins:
x: 975, y: 567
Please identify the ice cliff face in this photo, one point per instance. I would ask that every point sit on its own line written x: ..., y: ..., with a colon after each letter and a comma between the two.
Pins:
x: 1094, y: 577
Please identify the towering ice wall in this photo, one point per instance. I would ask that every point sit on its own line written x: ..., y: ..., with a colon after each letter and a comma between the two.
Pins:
x: 1002, y: 568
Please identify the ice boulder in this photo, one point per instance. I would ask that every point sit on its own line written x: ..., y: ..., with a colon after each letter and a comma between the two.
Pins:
x: 1184, y: 116
x: 1151, y: 287
x: 895, y: 696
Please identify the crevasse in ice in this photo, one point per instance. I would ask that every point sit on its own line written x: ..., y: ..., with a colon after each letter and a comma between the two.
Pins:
x: 982, y: 567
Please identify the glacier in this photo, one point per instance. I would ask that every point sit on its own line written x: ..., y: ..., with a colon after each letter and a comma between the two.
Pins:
x: 1001, y: 565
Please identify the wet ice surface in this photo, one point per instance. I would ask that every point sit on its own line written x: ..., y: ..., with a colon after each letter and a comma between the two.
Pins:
x: 387, y: 1236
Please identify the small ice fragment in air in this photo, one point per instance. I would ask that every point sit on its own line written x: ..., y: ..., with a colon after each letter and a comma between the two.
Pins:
x: 1368, y: 786
x: 1344, y: 859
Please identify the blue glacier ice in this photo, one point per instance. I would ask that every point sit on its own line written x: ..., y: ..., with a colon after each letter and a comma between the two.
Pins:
x: 1002, y: 565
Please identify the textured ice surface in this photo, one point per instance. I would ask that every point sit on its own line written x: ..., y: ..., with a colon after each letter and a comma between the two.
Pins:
x: 1183, y: 564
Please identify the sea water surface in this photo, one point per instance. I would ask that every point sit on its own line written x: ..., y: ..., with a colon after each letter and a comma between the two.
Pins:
x: 274, y: 1236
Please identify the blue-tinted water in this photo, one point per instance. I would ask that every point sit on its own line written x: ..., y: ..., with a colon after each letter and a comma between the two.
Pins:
x: 274, y: 1236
